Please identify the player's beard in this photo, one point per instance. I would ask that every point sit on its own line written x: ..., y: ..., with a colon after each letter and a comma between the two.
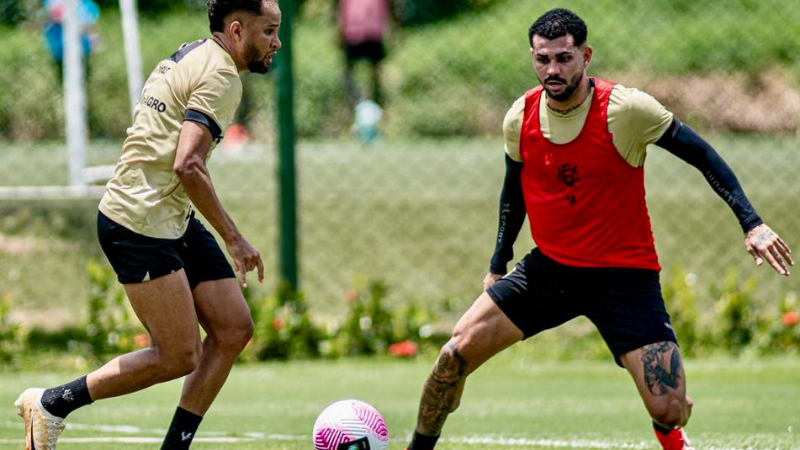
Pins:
x: 255, y: 62
x: 569, y: 88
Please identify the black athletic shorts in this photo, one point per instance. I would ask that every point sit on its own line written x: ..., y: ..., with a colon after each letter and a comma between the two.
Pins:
x: 625, y: 305
x: 373, y: 51
x: 137, y: 258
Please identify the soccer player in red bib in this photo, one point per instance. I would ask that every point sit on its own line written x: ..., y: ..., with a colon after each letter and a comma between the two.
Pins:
x: 575, y: 150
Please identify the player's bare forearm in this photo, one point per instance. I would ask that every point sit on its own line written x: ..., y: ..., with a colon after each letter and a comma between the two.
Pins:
x: 196, y: 181
x: 442, y: 392
x: 190, y: 167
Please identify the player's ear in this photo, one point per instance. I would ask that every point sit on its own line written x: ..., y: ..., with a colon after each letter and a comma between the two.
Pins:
x: 236, y: 30
x: 587, y: 55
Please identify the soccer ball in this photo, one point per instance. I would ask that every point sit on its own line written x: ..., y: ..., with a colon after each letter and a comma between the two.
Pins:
x: 350, y: 425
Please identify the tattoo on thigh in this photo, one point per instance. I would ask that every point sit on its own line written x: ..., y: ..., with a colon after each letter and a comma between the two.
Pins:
x: 662, y: 364
x: 442, y: 391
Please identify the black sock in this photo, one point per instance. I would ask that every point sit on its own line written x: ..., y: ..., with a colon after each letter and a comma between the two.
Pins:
x: 421, y: 442
x: 181, y: 430
x: 661, y: 428
x: 62, y: 400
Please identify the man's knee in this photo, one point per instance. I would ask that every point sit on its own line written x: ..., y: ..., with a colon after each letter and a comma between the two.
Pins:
x: 234, y: 337
x: 671, y: 411
x: 449, y: 374
x: 450, y: 367
x: 178, y: 362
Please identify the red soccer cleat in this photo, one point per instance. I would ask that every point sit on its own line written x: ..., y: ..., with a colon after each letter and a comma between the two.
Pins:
x: 674, y: 440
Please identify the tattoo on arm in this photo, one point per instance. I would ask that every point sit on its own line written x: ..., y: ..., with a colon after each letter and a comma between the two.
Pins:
x: 442, y: 391
x: 662, y: 364
x: 764, y: 237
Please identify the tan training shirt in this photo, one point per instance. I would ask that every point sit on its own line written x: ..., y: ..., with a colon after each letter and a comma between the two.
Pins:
x: 199, y: 82
x: 635, y: 119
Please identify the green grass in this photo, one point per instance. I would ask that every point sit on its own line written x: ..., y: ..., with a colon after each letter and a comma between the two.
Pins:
x: 740, y: 404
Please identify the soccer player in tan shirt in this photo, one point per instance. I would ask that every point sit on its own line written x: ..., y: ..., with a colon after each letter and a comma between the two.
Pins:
x: 174, y: 273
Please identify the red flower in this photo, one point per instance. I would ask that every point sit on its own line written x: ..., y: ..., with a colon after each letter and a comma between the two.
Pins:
x: 791, y: 318
x: 277, y: 324
x: 351, y: 295
x: 403, y: 349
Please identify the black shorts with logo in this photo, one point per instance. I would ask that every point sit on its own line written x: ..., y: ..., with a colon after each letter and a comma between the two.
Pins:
x: 137, y: 258
x: 624, y: 304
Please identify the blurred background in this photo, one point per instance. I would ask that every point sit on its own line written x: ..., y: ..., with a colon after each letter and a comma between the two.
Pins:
x: 410, y: 204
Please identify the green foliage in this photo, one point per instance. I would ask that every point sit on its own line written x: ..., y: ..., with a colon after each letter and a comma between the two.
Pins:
x: 109, y: 329
x: 13, y: 337
x: 736, y: 321
x: 367, y: 330
x: 422, y: 12
x: 455, y: 78
x: 13, y: 12
x: 779, y: 331
x: 680, y: 299
x: 283, y: 328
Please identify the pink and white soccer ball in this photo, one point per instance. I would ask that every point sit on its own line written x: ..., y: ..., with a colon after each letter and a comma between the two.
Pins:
x: 350, y: 422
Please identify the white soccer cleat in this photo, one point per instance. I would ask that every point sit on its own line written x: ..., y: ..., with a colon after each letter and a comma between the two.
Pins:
x: 42, y: 429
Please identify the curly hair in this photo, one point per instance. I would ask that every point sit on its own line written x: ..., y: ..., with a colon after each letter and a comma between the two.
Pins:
x: 218, y: 10
x: 557, y: 23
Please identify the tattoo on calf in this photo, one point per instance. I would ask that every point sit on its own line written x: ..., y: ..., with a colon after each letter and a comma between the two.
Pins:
x: 662, y: 364
x: 442, y: 391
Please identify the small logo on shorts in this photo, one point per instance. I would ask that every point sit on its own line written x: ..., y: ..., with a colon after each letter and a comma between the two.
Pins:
x: 146, y: 276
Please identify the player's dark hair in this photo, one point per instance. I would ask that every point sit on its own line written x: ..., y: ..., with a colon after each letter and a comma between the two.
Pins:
x: 218, y: 10
x: 557, y: 23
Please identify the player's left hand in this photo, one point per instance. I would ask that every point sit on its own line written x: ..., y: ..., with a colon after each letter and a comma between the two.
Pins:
x: 763, y: 243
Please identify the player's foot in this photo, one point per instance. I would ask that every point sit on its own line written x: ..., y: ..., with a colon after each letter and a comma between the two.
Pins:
x: 676, y: 439
x: 41, y: 428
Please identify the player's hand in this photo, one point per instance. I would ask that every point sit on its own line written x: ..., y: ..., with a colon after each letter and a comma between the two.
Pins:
x: 763, y: 243
x: 245, y: 258
x: 489, y: 280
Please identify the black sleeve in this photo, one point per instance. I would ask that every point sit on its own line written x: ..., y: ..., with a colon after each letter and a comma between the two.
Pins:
x: 683, y: 142
x: 512, y: 216
x: 205, y: 119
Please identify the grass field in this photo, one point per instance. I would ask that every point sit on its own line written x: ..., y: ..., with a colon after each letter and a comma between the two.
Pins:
x: 513, y: 402
x: 419, y: 215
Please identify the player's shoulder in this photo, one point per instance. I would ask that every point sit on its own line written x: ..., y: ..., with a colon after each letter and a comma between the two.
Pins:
x: 519, y: 103
x: 632, y: 99
x: 514, y: 115
x: 512, y: 127
x: 204, y: 61
x: 203, y: 55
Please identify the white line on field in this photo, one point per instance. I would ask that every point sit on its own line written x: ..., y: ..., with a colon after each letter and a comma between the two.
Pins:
x: 128, y: 440
x: 222, y: 437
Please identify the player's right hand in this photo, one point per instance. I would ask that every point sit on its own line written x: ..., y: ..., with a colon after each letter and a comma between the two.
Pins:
x: 489, y: 280
x: 245, y: 258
